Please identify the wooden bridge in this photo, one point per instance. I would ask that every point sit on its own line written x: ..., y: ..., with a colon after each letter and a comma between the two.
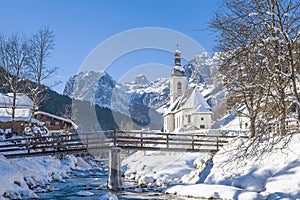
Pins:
x: 85, y: 143
x: 113, y: 142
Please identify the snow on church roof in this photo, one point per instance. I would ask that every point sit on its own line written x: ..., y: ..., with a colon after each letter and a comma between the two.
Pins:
x: 197, y: 101
x: 192, y: 99
x: 179, y: 68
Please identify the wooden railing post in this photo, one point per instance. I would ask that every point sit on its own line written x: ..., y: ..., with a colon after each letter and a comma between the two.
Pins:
x: 87, y: 140
x: 27, y: 146
x: 167, y: 140
x: 115, y: 137
x: 193, y: 147
x: 142, y: 139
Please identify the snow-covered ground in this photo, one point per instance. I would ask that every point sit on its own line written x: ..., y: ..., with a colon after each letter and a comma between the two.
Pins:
x: 276, y: 175
x: 159, y: 169
x: 21, y: 178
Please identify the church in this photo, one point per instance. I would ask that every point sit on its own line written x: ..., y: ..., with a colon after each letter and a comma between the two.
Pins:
x: 188, y: 109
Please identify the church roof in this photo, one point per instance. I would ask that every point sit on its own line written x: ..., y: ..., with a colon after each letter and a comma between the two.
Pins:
x: 191, y: 99
x: 178, y: 71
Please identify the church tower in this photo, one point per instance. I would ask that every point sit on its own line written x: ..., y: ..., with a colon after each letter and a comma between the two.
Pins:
x: 178, y: 79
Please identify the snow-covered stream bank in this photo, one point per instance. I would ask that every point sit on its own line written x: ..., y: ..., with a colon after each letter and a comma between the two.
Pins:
x: 26, y: 177
x: 68, y: 178
x: 276, y: 175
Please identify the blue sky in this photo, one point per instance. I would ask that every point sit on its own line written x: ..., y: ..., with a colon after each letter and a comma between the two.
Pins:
x: 80, y: 25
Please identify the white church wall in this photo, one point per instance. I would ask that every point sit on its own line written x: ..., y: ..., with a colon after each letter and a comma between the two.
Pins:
x: 169, y: 123
x: 202, y: 121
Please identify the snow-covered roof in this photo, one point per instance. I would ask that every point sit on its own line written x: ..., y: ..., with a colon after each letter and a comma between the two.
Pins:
x: 177, y: 51
x: 179, y: 68
x: 22, y: 100
x: 57, y: 117
x: 178, y: 71
x: 192, y: 99
x: 197, y: 101
x: 173, y: 106
x: 19, y: 113
x: 21, y: 119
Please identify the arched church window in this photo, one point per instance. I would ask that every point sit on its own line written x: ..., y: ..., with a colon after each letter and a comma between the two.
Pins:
x: 179, y: 88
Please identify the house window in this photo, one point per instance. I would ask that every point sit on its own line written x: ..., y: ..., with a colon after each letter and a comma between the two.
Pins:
x: 189, y: 118
x: 179, y: 88
x: 47, y: 123
x: 56, y: 123
x: 202, y: 126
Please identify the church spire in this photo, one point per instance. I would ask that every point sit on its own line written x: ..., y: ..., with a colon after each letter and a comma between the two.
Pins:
x: 177, y: 69
x: 177, y: 56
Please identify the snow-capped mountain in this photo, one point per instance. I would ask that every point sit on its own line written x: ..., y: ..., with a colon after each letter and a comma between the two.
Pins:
x: 95, y: 87
x: 139, y: 96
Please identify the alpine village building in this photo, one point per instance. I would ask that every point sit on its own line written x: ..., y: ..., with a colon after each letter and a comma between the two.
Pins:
x: 188, y: 109
x: 25, y: 118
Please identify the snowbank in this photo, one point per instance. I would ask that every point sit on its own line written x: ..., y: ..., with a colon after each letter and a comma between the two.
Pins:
x: 12, y: 180
x: 275, y: 175
x: 21, y: 177
x: 159, y: 169
x: 213, y: 191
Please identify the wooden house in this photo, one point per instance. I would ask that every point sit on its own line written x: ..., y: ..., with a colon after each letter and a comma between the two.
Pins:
x: 23, y: 112
x: 55, y: 123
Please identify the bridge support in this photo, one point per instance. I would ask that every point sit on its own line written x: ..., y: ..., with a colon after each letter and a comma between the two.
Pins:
x: 114, y: 181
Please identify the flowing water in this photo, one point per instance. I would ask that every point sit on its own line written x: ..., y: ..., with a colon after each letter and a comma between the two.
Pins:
x: 93, y: 179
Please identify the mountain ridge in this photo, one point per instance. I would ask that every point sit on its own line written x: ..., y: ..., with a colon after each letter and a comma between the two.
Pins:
x: 138, y: 97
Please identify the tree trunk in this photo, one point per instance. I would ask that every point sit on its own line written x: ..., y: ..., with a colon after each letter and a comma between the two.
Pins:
x: 252, y: 127
x: 13, y: 114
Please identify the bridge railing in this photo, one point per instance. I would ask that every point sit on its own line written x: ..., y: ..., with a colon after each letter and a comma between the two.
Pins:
x: 138, y: 140
x: 169, y: 141
x: 54, y: 144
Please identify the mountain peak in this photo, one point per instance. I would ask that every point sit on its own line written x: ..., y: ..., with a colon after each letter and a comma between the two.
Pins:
x: 141, y: 80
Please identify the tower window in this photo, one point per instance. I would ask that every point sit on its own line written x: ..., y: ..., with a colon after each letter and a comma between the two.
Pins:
x: 189, y: 118
x: 179, y: 88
